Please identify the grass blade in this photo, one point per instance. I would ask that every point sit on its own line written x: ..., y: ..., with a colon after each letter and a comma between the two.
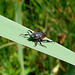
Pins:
x: 18, y: 19
x: 71, y: 70
x: 11, y: 30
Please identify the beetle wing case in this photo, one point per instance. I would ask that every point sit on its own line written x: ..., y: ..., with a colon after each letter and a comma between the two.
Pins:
x: 39, y: 34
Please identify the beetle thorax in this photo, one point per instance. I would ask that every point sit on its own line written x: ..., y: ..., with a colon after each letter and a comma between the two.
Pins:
x: 38, y: 35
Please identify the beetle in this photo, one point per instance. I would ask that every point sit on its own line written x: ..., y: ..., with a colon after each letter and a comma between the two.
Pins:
x: 37, y: 36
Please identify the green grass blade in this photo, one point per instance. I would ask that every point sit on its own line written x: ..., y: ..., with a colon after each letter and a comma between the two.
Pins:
x: 11, y: 30
x: 18, y: 19
x: 71, y: 70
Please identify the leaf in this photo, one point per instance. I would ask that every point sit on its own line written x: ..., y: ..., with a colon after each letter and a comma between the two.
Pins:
x: 11, y: 30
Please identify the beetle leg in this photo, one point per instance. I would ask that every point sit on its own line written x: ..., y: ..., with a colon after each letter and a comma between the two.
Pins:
x: 29, y: 33
x: 41, y: 44
x: 47, y: 40
x: 36, y: 43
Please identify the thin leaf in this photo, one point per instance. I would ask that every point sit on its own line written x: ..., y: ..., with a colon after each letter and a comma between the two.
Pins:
x: 11, y: 30
x: 18, y: 19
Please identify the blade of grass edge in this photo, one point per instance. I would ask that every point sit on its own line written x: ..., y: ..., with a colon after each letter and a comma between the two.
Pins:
x: 11, y: 30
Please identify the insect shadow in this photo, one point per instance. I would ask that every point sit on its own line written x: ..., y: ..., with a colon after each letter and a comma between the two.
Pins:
x: 29, y: 38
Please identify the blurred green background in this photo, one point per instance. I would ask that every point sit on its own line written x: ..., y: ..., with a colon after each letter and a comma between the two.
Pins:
x: 56, y: 18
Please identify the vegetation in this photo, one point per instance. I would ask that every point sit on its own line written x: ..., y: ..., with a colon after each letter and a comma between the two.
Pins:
x: 56, y: 18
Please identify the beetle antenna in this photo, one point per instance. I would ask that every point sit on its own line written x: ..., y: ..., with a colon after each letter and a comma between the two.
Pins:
x: 21, y: 34
x: 24, y: 34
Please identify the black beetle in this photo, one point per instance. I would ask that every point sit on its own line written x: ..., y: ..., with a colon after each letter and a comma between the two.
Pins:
x: 37, y: 36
